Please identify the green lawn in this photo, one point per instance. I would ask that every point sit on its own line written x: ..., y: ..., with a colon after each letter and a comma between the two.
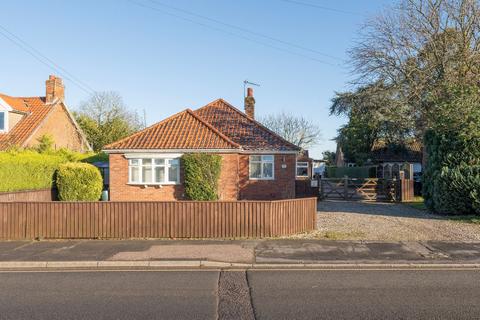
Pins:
x: 466, y: 219
x: 418, y: 203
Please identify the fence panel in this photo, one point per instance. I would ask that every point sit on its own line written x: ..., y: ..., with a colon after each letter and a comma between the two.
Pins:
x: 29, y: 195
x: 176, y: 219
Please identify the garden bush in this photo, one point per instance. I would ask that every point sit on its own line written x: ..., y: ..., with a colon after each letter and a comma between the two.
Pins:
x: 452, y: 144
x: 79, y: 182
x: 457, y: 190
x: 450, y: 155
x: 33, y: 170
x: 202, y: 172
x: 28, y: 170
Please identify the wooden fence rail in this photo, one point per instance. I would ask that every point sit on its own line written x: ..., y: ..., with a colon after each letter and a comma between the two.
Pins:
x: 176, y: 219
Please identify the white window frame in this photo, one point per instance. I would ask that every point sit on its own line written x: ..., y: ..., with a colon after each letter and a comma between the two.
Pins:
x: 140, y: 165
x: 261, y: 161
x: 301, y: 164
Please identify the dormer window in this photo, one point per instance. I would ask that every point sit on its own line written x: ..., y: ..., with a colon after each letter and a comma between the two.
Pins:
x: 3, y: 121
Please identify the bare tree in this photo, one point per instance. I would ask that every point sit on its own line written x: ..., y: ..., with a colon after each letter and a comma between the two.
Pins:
x: 297, y: 130
x: 105, y: 118
x: 416, y: 47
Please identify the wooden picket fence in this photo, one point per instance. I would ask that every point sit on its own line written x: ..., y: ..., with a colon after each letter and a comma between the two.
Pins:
x: 175, y: 219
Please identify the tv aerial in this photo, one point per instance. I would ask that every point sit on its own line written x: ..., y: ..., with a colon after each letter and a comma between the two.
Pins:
x: 245, y: 83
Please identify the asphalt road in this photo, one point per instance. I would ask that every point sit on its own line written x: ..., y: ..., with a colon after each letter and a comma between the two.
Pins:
x: 327, y: 294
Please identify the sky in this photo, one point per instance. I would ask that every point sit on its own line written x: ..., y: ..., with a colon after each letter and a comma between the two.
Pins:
x: 163, y: 56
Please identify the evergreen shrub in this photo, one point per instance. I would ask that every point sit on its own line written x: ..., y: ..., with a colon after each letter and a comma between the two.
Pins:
x: 202, y: 172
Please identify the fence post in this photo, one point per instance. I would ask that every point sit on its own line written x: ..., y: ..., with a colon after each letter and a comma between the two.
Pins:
x: 320, y: 185
x: 345, y: 187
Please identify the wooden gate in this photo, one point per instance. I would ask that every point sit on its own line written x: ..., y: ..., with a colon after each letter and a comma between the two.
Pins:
x: 369, y: 189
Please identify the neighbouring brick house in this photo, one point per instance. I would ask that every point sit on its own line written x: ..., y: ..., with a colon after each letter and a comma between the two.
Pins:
x: 256, y: 163
x: 23, y: 120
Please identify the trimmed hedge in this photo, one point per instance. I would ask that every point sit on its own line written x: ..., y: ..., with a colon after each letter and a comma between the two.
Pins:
x: 31, y: 170
x: 28, y: 170
x: 351, y: 172
x: 202, y: 172
x: 457, y: 190
x: 79, y: 182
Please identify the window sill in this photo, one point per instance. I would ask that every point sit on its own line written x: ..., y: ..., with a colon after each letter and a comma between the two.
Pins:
x: 153, y: 184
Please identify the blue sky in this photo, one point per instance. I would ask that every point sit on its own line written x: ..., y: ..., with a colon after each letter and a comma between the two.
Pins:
x: 160, y: 61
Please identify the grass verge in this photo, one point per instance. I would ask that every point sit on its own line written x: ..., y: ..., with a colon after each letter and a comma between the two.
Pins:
x: 473, y: 219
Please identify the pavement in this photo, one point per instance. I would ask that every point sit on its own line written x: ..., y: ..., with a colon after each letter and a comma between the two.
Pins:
x: 247, y: 294
x: 235, y: 254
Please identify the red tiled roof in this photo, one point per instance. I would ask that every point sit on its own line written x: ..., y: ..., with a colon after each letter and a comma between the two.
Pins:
x: 245, y: 131
x: 184, y: 130
x: 35, y: 111
x: 407, y: 152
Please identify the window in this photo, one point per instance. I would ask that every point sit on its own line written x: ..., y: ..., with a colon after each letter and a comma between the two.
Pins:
x: 302, y: 169
x: 2, y: 121
x: 154, y: 171
x: 262, y: 167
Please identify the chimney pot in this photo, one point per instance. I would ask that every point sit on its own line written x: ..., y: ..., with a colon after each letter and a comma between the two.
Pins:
x: 55, y: 90
x: 250, y: 104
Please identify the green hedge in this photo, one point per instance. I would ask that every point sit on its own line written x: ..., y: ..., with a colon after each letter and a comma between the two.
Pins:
x: 79, y: 182
x: 202, y: 172
x: 351, y: 172
x: 448, y: 154
x: 457, y: 190
x: 33, y: 170
x: 28, y: 170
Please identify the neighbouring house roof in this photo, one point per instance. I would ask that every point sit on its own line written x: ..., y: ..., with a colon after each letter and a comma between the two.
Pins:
x: 304, y: 156
x: 35, y: 111
x: 218, y: 125
x: 408, y: 152
x: 245, y: 131
x: 184, y: 130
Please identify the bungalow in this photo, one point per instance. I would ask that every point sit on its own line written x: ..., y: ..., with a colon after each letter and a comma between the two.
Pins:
x: 256, y: 163
x: 23, y: 120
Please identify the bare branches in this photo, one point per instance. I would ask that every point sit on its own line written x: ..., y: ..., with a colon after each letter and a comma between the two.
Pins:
x: 418, y: 45
x: 297, y: 130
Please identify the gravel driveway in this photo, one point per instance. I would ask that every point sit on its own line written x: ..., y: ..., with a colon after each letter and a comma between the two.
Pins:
x: 348, y: 220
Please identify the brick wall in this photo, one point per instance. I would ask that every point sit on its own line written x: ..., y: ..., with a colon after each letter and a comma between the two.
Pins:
x: 62, y: 129
x: 120, y: 190
x: 282, y: 187
x: 228, y: 183
x: 234, y: 183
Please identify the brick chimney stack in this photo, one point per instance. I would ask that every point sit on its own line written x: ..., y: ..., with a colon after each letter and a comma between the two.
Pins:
x: 55, y: 89
x: 250, y: 104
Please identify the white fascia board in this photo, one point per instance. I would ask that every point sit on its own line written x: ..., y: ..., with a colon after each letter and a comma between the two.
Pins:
x: 169, y: 151
x: 160, y: 151
x: 268, y: 152
x: 162, y: 155
x: 5, y: 106
x: 182, y: 151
